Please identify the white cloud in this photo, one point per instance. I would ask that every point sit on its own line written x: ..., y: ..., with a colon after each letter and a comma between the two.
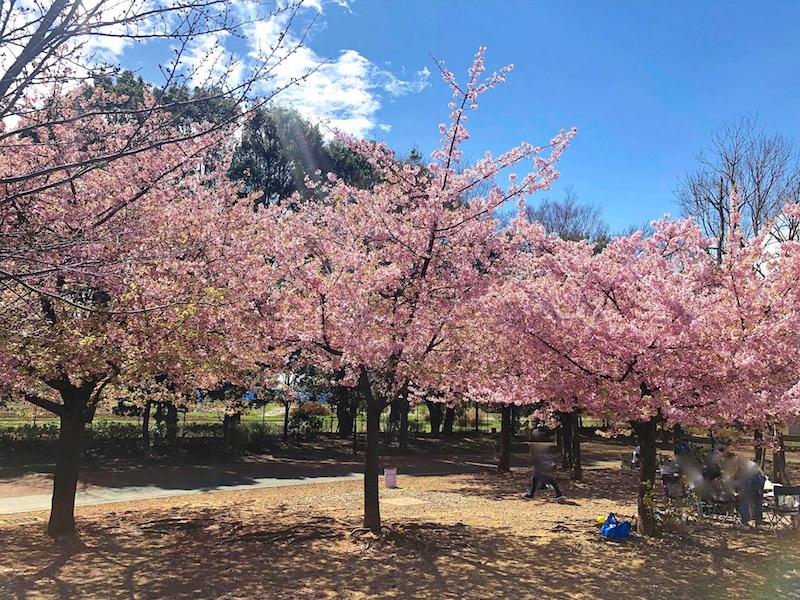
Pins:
x: 400, y: 87
x: 107, y: 47
x: 317, y: 4
x: 346, y: 92
x: 208, y: 63
x: 343, y: 3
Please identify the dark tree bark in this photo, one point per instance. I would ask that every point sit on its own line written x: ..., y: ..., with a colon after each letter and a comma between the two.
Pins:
x: 449, y: 421
x: 172, y: 424
x: 575, y: 452
x: 666, y: 435
x: 477, y: 418
x: 504, y: 466
x: 65, y: 479
x: 435, y: 411
x: 758, y: 444
x: 394, y: 412
x: 355, y: 426
x: 779, y: 472
x: 286, y: 405
x: 404, y: 409
x: 677, y: 435
x: 146, y: 427
x: 75, y: 413
x: 646, y: 436
x: 514, y: 420
x: 229, y: 425
x: 345, y: 415
x: 372, y: 511
x: 565, y: 428
x: 344, y: 419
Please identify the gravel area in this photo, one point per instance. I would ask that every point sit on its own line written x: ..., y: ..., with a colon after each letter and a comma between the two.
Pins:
x: 456, y: 536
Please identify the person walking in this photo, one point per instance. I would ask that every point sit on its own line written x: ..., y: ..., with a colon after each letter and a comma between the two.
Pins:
x: 543, y: 465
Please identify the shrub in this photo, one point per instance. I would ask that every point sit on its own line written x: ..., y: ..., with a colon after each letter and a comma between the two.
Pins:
x: 109, y: 438
x: 308, y: 419
x: 316, y: 409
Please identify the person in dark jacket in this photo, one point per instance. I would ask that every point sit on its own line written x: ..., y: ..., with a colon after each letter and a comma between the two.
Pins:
x: 543, y: 464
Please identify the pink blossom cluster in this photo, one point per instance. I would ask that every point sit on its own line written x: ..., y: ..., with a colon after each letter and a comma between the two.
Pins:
x: 156, y: 264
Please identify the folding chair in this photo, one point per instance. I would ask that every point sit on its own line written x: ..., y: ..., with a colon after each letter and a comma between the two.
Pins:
x: 785, y: 507
x: 716, y: 502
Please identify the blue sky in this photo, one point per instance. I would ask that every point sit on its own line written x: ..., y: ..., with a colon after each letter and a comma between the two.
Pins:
x: 645, y: 83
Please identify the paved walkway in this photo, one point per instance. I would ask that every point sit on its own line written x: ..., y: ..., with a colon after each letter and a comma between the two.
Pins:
x: 114, y: 485
x: 222, y: 481
x: 101, y: 495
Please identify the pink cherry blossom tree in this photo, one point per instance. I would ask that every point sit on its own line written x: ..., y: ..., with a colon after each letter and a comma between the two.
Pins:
x: 757, y: 330
x: 375, y: 279
x: 135, y: 270
x: 622, y: 333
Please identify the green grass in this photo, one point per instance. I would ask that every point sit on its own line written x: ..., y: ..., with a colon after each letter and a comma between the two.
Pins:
x: 418, y: 418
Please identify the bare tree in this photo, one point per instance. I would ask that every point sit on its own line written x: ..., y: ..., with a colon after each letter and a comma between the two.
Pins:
x: 45, y: 48
x: 569, y: 219
x: 765, y: 170
x: 47, y: 57
x: 646, y: 228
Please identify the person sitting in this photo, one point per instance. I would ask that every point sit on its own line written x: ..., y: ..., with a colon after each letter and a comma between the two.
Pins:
x: 543, y: 465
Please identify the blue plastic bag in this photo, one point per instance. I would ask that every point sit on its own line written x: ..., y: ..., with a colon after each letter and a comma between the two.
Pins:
x: 614, y: 529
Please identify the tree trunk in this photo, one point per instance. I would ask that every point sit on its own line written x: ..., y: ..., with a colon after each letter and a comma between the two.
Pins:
x: 646, y: 436
x: 229, y: 425
x: 172, y: 425
x: 286, y: 421
x: 477, y: 418
x: 575, y: 452
x: 146, y: 427
x: 404, y: 422
x: 344, y: 413
x: 758, y: 444
x: 344, y: 420
x: 394, y: 412
x: 65, y: 478
x: 372, y: 509
x: 504, y: 466
x: 567, y: 433
x: 355, y: 426
x: 779, y: 472
x: 665, y: 435
x: 398, y: 415
x: 677, y: 435
x: 449, y: 420
x: 435, y: 411
x: 344, y: 417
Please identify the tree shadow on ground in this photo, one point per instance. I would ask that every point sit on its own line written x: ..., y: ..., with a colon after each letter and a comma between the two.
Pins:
x: 233, y: 553
x: 596, y: 483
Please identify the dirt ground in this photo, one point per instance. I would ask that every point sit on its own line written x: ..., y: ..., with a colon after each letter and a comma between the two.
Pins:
x: 456, y: 536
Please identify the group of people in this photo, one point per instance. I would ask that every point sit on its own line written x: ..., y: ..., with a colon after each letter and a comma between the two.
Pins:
x: 721, y: 476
